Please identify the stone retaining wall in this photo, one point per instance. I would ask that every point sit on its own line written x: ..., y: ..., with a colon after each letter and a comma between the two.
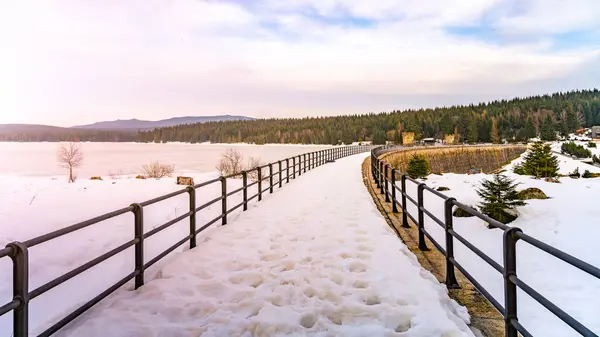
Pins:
x: 457, y: 159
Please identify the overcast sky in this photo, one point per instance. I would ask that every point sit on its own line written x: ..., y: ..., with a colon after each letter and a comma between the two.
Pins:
x: 74, y: 62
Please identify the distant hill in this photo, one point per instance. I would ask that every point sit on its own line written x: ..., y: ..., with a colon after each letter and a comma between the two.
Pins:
x: 136, y: 124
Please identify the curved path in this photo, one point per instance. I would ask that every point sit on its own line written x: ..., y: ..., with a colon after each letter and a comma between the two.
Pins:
x: 315, y: 258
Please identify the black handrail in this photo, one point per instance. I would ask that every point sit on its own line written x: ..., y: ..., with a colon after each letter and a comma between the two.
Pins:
x: 512, y: 326
x: 18, y: 251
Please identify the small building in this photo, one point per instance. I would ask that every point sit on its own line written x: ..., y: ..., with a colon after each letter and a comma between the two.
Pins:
x: 428, y: 141
x: 596, y: 132
x: 408, y: 138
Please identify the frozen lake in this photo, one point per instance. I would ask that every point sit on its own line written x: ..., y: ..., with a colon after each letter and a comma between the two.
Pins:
x: 101, y: 159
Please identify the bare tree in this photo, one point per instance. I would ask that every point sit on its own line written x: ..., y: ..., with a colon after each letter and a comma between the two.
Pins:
x: 253, y: 163
x: 70, y: 156
x: 158, y: 170
x: 230, y: 163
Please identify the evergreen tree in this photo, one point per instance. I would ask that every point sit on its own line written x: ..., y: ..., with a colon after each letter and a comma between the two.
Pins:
x: 456, y: 135
x: 529, y: 129
x: 473, y: 133
x: 418, y: 167
x: 494, y: 132
x: 547, y: 132
x: 397, y: 137
x: 571, y: 120
x: 499, y: 195
x: 379, y: 137
x: 540, y: 162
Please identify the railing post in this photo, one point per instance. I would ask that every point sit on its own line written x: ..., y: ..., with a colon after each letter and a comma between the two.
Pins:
x: 304, y: 155
x: 510, y: 288
x: 245, y: 191
x: 373, y: 167
x: 259, y: 174
x: 287, y: 168
x: 280, y: 173
x: 386, y: 180
x: 376, y: 168
x: 294, y: 167
x: 299, y: 165
x: 421, y: 224
x: 20, y: 258
x: 394, y: 206
x: 138, y: 213
x: 224, y: 200
x: 381, y: 178
x: 451, y: 282
x: 192, y: 193
x: 404, y: 206
x: 271, y: 178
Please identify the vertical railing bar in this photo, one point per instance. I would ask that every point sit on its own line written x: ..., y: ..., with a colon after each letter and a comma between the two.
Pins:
x: 280, y: 174
x: 294, y: 167
x: 394, y: 206
x: 304, y: 162
x: 451, y: 282
x: 192, y: 194
x: 421, y: 224
x: 404, y: 206
x: 381, y: 177
x: 224, y: 201
x: 138, y: 213
x: 386, y: 180
x: 259, y: 174
x: 245, y: 183
x: 271, y: 178
x: 20, y: 258
x: 510, y: 288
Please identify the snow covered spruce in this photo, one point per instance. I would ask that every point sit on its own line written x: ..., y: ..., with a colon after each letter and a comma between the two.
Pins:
x: 315, y: 258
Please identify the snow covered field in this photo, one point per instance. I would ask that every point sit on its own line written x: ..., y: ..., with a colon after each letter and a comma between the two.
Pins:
x: 39, y: 159
x: 315, y: 258
x: 567, y: 221
x: 30, y: 207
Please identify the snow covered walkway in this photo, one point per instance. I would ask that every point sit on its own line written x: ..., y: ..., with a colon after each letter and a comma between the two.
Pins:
x: 315, y: 258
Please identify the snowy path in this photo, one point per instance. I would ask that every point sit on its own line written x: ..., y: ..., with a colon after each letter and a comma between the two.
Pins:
x: 316, y: 258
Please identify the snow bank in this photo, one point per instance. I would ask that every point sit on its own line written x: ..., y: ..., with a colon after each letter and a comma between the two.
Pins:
x: 567, y: 221
x: 316, y: 259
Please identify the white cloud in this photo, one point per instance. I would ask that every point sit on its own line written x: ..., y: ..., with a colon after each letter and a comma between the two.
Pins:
x: 551, y: 17
x: 72, y: 62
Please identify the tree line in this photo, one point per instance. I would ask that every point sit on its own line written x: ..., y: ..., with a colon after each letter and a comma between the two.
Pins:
x: 512, y: 120
x: 38, y: 133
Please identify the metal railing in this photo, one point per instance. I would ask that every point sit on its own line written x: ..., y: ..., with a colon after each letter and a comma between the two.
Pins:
x: 385, y: 178
x: 18, y: 251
